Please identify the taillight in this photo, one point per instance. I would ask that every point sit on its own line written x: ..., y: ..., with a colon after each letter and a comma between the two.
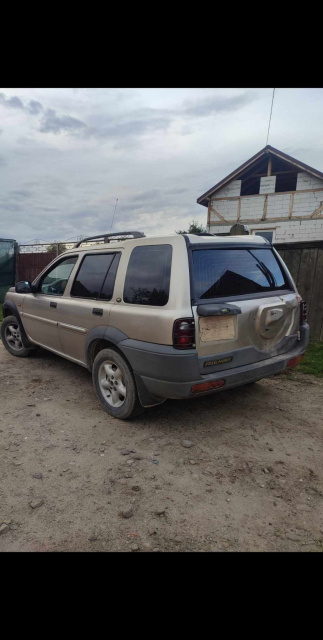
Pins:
x: 295, y: 361
x: 184, y: 333
x: 303, y: 312
x: 207, y: 386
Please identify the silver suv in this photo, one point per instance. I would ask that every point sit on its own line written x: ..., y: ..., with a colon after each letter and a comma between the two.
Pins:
x: 162, y: 317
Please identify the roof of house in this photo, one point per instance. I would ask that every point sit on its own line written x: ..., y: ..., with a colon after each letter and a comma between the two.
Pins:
x: 267, y: 150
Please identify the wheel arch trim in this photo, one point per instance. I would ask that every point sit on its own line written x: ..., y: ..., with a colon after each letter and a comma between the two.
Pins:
x: 10, y: 306
x: 110, y: 334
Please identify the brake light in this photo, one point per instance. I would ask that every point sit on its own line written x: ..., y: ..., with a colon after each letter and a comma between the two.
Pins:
x: 303, y: 312
x: 295, y: 361
x: 184, y: 333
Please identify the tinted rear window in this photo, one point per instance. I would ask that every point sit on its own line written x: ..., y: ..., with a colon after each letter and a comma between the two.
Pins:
x: 90, y: 277
x: 148, y: 275
x: 233, y: 272
x: 108, y: 285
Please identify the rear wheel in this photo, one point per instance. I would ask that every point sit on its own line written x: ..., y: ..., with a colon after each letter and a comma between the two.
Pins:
x: 11, y: 338
x: 115, y: 385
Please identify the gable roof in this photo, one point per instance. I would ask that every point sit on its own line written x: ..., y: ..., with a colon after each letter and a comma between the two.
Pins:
x: 267, y: 150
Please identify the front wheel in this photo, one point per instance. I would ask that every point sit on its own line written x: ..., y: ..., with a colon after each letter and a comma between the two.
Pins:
x: 115, y: 385
x: 11, y: 337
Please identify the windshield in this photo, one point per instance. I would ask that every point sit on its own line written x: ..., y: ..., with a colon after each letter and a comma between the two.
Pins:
x: 232, y: 272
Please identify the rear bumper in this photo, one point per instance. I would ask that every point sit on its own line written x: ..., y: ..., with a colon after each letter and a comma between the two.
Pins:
x: 153, y: 391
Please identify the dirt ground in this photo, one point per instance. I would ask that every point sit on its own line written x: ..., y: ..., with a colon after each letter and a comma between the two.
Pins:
x: 252, y: 479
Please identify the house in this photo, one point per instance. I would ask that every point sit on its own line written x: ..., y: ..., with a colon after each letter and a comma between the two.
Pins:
x: 276, y: 195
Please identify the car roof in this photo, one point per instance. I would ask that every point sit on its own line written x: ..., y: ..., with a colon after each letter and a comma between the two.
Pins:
x: 192, y: 239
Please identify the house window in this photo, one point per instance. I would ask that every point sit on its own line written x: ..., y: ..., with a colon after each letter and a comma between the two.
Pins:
x: 286, y: 181
x: 250, y: 186
x: 265, y: 233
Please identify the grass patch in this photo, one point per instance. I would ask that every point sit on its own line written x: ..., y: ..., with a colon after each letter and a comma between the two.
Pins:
x: 313, y: 360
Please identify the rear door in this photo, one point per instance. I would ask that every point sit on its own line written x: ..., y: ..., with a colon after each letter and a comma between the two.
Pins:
x: 244, y: 303
x: 88, y: 300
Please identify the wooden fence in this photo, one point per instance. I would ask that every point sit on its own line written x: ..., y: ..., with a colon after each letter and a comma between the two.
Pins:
x: 305, y: 262
x: 29, y: 265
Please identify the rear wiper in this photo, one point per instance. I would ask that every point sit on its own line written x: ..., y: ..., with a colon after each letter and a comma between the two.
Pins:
x: 264, y: 269
x: 267, y: 273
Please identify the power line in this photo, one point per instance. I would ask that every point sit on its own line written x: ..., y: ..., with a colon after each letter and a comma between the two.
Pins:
x: 271, y: 110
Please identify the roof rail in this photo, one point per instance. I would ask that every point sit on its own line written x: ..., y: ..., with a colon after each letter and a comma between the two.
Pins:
x: 123, y: 235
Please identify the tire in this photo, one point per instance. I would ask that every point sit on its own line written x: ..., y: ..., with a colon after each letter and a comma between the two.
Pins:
x: 11, y: 338
x: 115, y: 385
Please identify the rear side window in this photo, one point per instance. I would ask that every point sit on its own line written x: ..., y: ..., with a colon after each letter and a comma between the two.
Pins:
x: 108, y: 285
x: 148, y: 275
x: 233, y: 272
x: 91, y: 276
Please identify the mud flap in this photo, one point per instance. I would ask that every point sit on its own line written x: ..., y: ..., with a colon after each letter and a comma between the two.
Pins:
x: 146, y: 398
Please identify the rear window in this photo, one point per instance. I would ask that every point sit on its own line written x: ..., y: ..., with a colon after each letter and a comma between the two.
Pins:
x: 233, y: 272
x: 148, y: 275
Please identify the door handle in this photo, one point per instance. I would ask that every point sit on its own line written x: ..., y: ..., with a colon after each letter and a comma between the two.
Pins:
x: 53, y: 304
x: 218, y: 309
x: 97, y: 312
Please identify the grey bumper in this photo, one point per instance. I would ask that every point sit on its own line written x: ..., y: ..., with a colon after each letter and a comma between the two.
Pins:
x: 178, y: 373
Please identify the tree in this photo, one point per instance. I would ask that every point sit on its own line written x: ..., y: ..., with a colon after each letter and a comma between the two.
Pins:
x: 53, y: 247
x: 194, y: 227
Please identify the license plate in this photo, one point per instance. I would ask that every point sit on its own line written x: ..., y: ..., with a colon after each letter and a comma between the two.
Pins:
x: 214, y: 328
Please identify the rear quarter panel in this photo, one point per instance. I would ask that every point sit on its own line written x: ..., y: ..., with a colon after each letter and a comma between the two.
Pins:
x: 148, y: 323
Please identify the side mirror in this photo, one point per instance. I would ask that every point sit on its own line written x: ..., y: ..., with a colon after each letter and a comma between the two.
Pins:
x: 24, y: 287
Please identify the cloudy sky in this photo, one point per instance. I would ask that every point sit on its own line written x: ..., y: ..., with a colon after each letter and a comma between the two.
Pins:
x: 67, y: 154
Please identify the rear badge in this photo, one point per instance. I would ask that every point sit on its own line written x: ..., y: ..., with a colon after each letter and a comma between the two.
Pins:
x: 211, y: 363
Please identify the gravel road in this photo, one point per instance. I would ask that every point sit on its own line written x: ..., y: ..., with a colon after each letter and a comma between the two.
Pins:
x: 240, y: 470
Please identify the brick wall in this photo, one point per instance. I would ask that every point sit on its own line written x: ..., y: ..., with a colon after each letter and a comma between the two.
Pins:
x: 278, y: 206
x: 267, y: 184
x: 307, y: 181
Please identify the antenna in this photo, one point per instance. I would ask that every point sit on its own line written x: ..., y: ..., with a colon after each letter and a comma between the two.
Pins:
x: 271, y: 110
x: 114, y: 214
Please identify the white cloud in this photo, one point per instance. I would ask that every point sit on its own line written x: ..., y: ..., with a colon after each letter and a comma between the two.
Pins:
x: 67, y: 154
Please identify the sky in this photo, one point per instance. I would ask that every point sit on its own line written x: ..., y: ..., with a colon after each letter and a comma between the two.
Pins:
x: 66, y: 155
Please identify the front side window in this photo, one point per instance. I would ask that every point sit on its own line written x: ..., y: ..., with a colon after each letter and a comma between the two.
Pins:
x: 91, y: 275
x: 56, y: 279
x: 232, y: 272
x: 148, y: 275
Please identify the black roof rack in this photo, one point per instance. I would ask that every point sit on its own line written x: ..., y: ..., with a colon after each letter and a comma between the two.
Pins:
x: 204, y: 233
x: 123, y: 235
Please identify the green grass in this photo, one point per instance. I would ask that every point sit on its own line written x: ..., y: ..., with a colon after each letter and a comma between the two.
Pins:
x: 313, y: 360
